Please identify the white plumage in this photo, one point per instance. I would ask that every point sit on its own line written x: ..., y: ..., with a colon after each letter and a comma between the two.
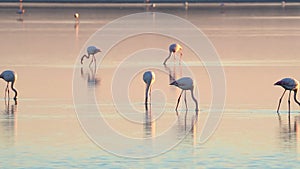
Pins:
x: 185, y: 83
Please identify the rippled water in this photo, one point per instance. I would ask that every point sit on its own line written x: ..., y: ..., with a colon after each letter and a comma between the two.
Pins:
x: 257, y: 45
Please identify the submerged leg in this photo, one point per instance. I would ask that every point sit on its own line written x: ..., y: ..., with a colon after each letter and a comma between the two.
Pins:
x: 92, y: 60
x: 7, y: 91
x: 280, y: 101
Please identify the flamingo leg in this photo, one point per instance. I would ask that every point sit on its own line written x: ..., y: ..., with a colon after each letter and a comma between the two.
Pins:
x: 150, y: 94
x: 6, y: 91
x: 178, y: 100
x: 185, y: 100
x: 174, y: 56
x: 92, y: 60
x: 289, y: 102
x: 280, y: 101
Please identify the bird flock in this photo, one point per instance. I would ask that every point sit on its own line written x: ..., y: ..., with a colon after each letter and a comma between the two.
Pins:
x: 184, y: 83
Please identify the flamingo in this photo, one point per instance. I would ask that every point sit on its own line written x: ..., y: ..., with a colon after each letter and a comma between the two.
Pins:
x: 185, y: 83
x: 149, y: 78
x: 173, y: 48
x: 9, y: 76
x: 91, y: 50
x: 291, y: 85
x: 76, y: 16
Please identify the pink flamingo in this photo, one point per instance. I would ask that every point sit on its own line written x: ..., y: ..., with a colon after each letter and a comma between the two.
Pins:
x: 9, y: 76
x: 185, y: 83
x: 291, y: 85
x: 174, y: 48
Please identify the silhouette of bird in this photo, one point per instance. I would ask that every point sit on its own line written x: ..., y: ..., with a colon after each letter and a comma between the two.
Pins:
x: 91, y: 50
x: 291, y: 85
x: 9, y: 76
x: 185, y: 83
x: 149, y: 78
x: 174, y: 48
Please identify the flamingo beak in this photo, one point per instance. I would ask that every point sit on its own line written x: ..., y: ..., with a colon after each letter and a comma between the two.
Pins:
x: 277, y: 83
x: 174, y: 83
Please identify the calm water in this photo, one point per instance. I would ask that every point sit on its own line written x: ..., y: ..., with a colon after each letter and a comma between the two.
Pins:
x: 257, y: 46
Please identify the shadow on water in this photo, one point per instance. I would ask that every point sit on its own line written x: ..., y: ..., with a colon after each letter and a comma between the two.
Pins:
x: 173, y: 73
x: 9, y: 123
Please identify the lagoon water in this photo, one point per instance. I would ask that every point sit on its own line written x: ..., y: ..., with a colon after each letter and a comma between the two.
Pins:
x: 257, y: 45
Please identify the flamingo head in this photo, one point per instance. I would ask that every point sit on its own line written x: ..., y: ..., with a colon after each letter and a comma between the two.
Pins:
x: 279, y: 83
x: 174, y: 83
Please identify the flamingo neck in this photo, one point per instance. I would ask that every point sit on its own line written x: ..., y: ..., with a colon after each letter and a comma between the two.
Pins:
x: 12, y: 87
x: 295, y: 97
x: 195, y: 100
x: 147, y: 91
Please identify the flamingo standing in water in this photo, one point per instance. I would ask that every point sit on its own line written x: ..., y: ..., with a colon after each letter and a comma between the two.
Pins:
x: 149, y: 78
x: 91, y: 50
x: 174, y: 48
x: 185, y: 83
x: 291, y: 85
x: 9, y: 76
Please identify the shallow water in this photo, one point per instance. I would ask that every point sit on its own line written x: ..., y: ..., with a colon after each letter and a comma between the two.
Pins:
x: 257, y: 45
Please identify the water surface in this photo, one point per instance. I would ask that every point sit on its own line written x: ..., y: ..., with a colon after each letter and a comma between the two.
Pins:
x: 258, y: 45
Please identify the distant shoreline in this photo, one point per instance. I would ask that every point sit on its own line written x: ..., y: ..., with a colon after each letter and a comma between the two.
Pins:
x: 157, y: 5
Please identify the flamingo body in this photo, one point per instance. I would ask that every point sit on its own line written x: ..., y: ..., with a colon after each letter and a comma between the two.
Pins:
x: 149, y: 78
x: 288, y: 84
x: 10, y: 77
x: 291, y: 85
x: 92, y: 50
x: 185, y: 83
x: 173, y: 48
x: 20, y: 11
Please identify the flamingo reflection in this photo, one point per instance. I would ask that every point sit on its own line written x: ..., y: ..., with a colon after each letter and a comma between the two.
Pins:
x: 290, y: 135
x: 188, y: 128
x: 9, y: 122
x: 173, y: 73
x: 89, y: 74
x: 149, y: 125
